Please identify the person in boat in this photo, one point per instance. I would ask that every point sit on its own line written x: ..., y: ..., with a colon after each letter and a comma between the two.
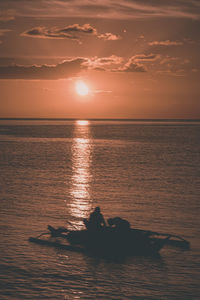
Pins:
x: 96, y: 220
x: 119, y: 223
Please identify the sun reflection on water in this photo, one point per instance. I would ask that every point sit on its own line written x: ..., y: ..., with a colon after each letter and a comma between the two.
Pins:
x: 80, y: 204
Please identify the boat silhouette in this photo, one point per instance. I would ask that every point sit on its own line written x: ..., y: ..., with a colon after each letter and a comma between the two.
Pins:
x: 109, y: 241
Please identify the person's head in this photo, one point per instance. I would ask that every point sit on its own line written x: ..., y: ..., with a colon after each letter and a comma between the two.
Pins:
x: 97, y: 209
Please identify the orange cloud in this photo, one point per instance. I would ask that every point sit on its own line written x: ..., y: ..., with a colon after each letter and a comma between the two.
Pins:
x: 99, y: 63
x: 73, y: 32
x: 145, y: 57
x: 69, y: 32
x: 134, y: 63
x: 131, y: 66
x: 166, y: 43
x: 109, y: 36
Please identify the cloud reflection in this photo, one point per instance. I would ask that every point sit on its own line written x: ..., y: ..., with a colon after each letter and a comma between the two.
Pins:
x: 81, y: 201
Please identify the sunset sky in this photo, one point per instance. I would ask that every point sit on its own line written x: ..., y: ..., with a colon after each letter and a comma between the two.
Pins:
x: 100, y: 59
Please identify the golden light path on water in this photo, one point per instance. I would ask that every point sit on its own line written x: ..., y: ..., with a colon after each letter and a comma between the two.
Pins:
x: 81, y: 202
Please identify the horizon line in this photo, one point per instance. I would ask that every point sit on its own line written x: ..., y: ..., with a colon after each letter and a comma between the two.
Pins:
x: 102, y: 119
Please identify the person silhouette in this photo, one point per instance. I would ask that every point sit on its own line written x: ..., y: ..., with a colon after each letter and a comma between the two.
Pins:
x: 96, y: 220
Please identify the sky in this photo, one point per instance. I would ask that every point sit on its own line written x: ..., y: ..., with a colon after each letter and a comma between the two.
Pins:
x: 133, y: 58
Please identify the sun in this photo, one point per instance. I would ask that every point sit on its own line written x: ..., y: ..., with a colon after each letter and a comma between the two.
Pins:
x: 81, y: 88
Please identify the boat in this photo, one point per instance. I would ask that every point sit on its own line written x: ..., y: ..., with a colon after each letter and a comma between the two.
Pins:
x: 109, y: 241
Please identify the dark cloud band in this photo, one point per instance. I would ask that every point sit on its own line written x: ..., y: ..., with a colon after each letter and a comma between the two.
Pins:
x: 59, y: 71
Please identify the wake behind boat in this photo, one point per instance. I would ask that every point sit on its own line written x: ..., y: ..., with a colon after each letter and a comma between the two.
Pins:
x: 109, y: 241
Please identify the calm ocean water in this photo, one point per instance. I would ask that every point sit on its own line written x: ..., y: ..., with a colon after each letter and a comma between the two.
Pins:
x: 53, y: 172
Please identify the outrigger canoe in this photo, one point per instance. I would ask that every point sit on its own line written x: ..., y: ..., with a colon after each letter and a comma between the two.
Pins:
x: 109, y: 242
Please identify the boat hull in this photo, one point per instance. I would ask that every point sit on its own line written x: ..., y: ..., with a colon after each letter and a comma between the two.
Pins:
x: 106, y: 243
x: 111, y: 241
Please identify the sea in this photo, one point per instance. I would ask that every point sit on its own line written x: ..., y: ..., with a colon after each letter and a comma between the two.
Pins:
x: 57, y: 171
